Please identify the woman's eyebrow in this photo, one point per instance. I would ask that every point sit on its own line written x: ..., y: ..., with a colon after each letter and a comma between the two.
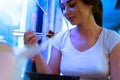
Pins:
x: 68, y: 1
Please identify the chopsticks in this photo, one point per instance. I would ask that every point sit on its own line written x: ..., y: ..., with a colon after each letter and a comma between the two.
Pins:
x: 21, y: 33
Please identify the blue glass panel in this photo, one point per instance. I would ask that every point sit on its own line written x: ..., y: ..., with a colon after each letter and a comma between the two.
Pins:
x: 43, y: 4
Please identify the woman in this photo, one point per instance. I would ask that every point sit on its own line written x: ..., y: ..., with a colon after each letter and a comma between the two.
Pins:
x: 88, y: 50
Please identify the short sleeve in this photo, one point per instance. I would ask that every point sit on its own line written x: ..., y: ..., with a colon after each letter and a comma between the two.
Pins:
x: 113, y: 40
x: 57, y: 40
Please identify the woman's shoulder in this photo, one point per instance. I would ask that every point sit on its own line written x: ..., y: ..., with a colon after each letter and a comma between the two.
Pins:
x: 59, y: 39
x: 109, y: 32
x: 62, y: 33
x: 111, y: 38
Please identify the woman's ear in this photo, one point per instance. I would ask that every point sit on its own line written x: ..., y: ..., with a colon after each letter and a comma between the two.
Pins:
x: 90, y: 6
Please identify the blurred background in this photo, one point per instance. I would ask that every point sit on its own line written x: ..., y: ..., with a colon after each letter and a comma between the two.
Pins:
x: 42, y: 16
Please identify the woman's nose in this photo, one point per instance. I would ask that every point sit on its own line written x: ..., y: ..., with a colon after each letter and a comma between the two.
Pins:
x: 67, y: 11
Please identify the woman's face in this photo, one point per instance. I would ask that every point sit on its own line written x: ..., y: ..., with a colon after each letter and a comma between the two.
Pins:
x: 75, y: 11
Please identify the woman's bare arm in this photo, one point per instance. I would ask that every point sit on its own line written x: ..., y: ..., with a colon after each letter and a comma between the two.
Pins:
x: 115, y: 63
x: 53, y: 67
x: 41, y: 65
x: 54, y: 62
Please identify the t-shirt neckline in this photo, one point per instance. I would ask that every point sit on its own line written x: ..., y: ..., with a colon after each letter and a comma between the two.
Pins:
x: 88, y: 48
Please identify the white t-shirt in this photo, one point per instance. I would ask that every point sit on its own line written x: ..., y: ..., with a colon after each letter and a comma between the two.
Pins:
x: 89, y: 64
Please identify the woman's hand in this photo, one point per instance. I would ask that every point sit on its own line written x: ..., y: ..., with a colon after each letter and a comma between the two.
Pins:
x: 30, y: 39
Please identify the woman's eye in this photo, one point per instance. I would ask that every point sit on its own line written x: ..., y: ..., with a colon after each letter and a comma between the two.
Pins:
x: 72, y: 6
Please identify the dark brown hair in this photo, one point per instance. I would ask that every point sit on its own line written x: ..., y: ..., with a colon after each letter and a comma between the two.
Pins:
x: 97, y: 9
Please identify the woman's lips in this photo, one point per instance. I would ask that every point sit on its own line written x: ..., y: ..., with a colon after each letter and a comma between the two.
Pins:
x: 71, y: 18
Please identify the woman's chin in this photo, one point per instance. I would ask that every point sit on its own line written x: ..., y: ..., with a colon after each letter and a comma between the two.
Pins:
x: 73, y: 23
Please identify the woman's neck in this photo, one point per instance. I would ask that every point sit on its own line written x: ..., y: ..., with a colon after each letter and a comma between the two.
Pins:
x: 88, y: 30
x: 88, y: 27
